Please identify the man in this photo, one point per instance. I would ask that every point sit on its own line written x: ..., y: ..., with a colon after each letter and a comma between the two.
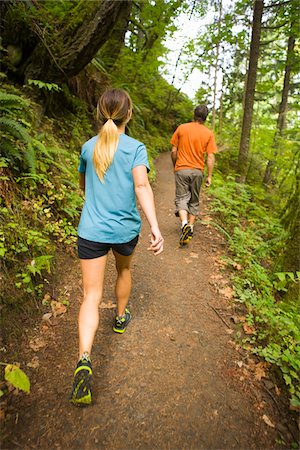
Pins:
x: 190, y: 142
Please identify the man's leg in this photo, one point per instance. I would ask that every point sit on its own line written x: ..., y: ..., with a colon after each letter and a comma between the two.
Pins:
x: 183, y: 195
x: 195, y: 186
x: 183, y: 214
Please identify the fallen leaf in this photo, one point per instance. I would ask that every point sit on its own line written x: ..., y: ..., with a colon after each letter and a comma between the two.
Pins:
x: 229, y: 331
x: 277, y: 390
x: 247, y: 329
x: 36, y: 344
x: 58, y: 308
x: 194, y: 255
x: 46, y: 318
x: 216, y: 277
x: 259, y: 371
x: 34, y: 363
x: 188, y: 261
x: 235, y: 319
x: 238, y: 319
x: 266, y: 419
x: 108, y: 305
x: 46, y: 299
x: 227, y: 292
x: 237, y: 266
x: 240, y: 363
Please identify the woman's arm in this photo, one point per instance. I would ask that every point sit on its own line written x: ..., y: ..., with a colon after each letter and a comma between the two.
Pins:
x: 145, y: 197
x: 82, y: 181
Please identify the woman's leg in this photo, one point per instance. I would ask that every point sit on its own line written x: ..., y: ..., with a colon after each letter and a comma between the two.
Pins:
x: 123, y: 283
x: 93, y: 277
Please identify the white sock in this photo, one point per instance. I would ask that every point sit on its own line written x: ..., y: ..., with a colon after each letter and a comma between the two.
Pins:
x: 184, y: 222
x: 192, y: 226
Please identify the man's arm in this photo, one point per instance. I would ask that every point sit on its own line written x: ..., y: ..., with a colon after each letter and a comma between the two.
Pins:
x: 210, y: 167
x: 82, y: 181
x: 174, y: 155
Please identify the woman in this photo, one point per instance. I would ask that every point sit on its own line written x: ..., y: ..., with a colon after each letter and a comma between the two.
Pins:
x: 113, y: 172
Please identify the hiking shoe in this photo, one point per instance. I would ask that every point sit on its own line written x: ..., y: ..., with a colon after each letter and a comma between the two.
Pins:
x: 121, y: 322
x: 190, y: 234
x: 186, y: 235
x: 81, y: 394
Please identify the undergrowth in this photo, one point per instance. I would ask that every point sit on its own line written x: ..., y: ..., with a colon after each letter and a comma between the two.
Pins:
x: 40, y: 198
x: 256, y: 239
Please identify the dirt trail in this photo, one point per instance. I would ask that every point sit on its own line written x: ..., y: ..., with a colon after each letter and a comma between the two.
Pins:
x: 174, y: 380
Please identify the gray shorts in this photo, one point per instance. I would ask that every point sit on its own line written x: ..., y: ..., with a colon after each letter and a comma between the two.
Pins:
x: 188, y: 184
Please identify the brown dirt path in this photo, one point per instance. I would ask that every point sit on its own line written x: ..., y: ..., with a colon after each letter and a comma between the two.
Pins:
x: 174, y: 380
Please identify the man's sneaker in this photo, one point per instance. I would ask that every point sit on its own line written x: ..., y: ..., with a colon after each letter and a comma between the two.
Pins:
x: 186, y: 235
x: 121, y: 322
x: 81, y: 394
x: 190, y: 234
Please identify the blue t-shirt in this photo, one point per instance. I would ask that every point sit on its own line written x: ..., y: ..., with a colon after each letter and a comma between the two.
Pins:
x: 110, y: 213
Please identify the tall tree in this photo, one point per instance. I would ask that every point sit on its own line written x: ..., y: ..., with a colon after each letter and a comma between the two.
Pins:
x: 249, y: 92
x: 281, y: 119
x: 216, y: 65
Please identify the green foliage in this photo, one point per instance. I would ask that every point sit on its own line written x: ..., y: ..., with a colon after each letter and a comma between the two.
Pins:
x: 46, y: 86
x: 256, y: 238
x: 17, y: 378
x: 15, y: 140
x: 39, y: 210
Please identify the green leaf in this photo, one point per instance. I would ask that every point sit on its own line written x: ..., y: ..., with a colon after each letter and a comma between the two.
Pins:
x: 281, y: 275
x: 15, y: 376
x: 291, y: 275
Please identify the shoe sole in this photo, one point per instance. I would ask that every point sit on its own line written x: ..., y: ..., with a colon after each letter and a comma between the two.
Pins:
x: 83, y: 378
x: 118, y: 330
x: 185, y: 238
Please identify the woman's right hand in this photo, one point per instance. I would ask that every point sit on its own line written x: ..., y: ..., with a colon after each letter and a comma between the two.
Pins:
x: 157, y: 241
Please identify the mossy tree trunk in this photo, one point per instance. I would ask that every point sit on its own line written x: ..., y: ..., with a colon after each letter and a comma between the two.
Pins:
x: 249, y: 92
x: 62, y: 53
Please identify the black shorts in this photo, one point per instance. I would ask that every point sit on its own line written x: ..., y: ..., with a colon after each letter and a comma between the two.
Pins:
x: 90, y: 250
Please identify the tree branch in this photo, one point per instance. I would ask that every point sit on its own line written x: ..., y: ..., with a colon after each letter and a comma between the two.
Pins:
x: 277, y: 5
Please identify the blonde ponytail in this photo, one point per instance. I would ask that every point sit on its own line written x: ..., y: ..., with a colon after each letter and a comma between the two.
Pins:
x: 105, y: 148
x: 114, y: 108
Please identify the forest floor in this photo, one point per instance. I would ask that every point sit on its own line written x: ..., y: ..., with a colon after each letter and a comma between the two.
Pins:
x: 177, y: 379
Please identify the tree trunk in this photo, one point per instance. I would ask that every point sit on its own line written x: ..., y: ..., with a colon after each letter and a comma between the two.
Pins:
x: 80, y: 49
x: 213, y: 122
x: 249, y: 92
x: 111, y: 49
x: 281, y: 119
x: 221, y: 113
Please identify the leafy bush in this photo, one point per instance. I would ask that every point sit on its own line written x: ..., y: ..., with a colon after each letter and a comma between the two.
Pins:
x: 40, y: 208
x: 256, y: 239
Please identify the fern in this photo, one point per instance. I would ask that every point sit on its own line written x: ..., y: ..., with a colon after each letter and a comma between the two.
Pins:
x: 30, y: 158
x: 15, y: 140
x: 11, y: 127
x: 11, y: 102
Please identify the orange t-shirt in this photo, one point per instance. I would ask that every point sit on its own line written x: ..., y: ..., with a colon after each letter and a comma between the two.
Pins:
x: 192, y: 140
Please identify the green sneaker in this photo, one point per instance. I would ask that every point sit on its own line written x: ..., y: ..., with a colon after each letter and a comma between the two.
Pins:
x: 186, y: 235
x: 121, y: 322
x: 81, y: 394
